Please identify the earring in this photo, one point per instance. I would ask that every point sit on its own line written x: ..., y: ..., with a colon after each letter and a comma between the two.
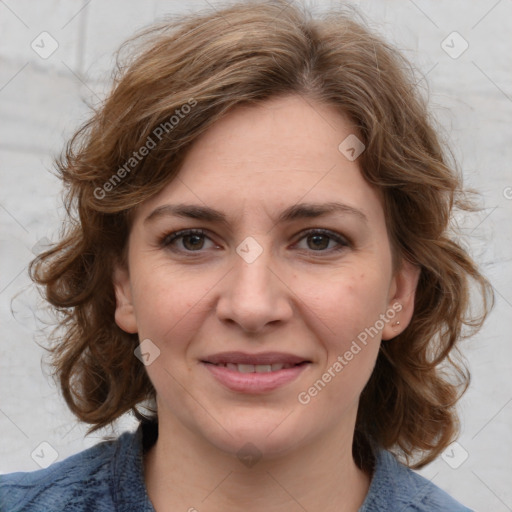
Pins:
x: 397, y: 323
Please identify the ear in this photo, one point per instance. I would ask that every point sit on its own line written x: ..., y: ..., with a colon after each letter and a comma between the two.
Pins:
x: 125, y: 312
x: 401, y: 299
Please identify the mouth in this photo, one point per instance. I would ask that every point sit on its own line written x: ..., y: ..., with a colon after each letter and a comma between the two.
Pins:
x: 254, y: 373
x: 256, y: 368
x: 255, y: 363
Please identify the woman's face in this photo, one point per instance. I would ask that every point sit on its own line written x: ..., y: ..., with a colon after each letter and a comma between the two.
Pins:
x: 264, y: 324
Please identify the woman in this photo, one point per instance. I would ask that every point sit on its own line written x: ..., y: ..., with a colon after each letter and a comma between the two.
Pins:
x: 258, y: 251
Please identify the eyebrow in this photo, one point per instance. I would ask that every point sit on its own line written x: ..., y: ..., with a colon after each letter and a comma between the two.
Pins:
x: 294, y: 212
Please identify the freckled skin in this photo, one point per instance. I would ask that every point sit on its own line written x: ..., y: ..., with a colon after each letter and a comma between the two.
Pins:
x: 251, y: 165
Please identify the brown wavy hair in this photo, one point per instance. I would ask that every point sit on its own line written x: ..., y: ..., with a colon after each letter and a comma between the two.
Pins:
x: 244, y: 54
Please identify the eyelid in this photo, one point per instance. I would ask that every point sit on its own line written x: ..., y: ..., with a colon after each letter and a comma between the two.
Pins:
x: 338, y: 237
x: 167, y: 238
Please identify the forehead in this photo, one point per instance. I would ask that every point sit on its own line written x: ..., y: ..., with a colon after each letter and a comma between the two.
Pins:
x: 270, y: 155
x: 282, y: 134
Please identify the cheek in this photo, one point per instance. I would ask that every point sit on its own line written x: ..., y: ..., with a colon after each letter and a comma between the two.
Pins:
x: 345, y: 314
x: 346, y: 304
x: 168, y: 302
x: 349, y: 309
x: 351, y: 344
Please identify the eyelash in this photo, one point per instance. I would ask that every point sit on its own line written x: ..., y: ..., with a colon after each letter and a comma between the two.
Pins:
x: 168, y: 239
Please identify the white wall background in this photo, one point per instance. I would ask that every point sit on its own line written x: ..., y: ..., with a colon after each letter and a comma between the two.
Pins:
x: 42, y: 102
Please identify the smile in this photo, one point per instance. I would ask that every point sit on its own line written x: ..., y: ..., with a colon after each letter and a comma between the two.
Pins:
x: 255, y: 368
x: 254, y: 373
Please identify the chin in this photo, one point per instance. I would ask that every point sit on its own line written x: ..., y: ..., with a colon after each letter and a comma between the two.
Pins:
x: 257, y: 435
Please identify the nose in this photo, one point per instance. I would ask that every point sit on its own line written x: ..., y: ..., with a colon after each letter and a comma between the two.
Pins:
x: 254, y: 295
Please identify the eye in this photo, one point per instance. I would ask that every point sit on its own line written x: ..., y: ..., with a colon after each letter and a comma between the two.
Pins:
x: 192, y: 240
x: 318, y: 240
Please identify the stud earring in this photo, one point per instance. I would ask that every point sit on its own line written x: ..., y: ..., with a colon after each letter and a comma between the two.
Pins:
x: 396, y: 324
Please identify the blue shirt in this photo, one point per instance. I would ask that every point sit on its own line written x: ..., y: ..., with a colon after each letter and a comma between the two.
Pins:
x: 110, y: 477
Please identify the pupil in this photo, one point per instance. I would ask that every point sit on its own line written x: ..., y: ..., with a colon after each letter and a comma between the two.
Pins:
x: 317, y: 237
x: 196, y: 237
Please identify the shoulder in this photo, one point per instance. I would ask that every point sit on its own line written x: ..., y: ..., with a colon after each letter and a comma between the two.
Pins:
x: 396, y: 487
x: 83, y: 481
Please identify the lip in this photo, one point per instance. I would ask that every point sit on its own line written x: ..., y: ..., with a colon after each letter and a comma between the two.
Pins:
x: 255, y: 383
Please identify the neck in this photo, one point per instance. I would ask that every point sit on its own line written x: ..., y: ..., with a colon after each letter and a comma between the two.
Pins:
x: 183, y: 472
